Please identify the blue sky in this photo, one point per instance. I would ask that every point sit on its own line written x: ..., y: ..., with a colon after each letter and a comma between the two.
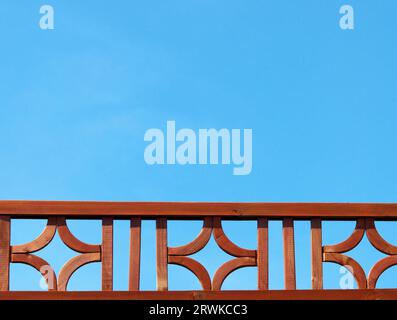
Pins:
x: 76, y: 102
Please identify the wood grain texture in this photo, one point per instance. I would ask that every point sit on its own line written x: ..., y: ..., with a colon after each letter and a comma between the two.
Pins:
x: 351, y: 242
x: 135, y: 254
x: 380, y: 267
x: 92, y: 209
x: 352, y: 265
x: 212, y: 213
x: 263, y: 254
x: 41, y: 241
x: 4, y: 253
x: 73, y: 265
x: 161, y: 254
x: 367, y: 294
x: 377, y: 240
x: 197, y: 244
x: 40, y: 265
x: 194, y: 266
x: 226, y: 244
x: 317, y: 254
x: 228, y: 267
x: 289, y: 254
x: 71, y: 241
x: 107, y: 254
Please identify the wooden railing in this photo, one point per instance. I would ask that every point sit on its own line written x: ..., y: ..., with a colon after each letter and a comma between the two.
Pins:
x: 212, y: 214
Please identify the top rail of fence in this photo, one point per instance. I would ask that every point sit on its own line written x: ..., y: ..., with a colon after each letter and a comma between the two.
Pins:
x: 192, y: 210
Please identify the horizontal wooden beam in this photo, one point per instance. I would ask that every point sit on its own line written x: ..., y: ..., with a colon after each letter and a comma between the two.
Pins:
x: 191, y: 210
x: 355, y: 294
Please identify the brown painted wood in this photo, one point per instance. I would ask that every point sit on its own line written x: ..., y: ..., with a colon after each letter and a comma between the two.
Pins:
x: 317, y: 254
x: 380, y: 267
x: 73, y: 265
x: 161, y: 254
x: 71, y: 241
x: 39, y: 264
x: 107, y: 254
x: 228, y: 267
x: 377, y: 240
x: 135, y: 254
x: 226, y: 244
x: 4, y: 253
x: 212, y: 214
x: 194, y: 266
x: 41, y: 241
x: 352, y: 265
x: 197, y: 244
x: 92, y: 209
x: 366, y: 294
x: 263, y: 254
x: 351, y: 242
x: 289, y: 254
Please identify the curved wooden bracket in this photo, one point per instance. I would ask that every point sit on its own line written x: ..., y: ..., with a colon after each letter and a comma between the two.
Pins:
x: 194, y: 266
x: 23, y: 253
x: 72, y: 242
x: 228, y: 267
x: 377, y: 240
x: 380, y: 267
x: 72, y: 265
x: 197, y: 244
x: 41, y: 241
x: 363, y: 226
x: 351, y: 242
x: 353, y: 266
x: 227, y: 245
x: 39, y: 264
x: 244, y: 257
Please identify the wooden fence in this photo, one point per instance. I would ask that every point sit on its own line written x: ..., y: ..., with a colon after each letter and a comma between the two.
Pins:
x: 212, y: 214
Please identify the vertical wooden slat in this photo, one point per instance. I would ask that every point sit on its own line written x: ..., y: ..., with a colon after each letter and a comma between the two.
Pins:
x: 161, y: 254
x: 135, y: 254
x: 4, y: 253
x: 263, y: 254
x: 289, y: 254
x: 317, y: 252
x: 107, y: 254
